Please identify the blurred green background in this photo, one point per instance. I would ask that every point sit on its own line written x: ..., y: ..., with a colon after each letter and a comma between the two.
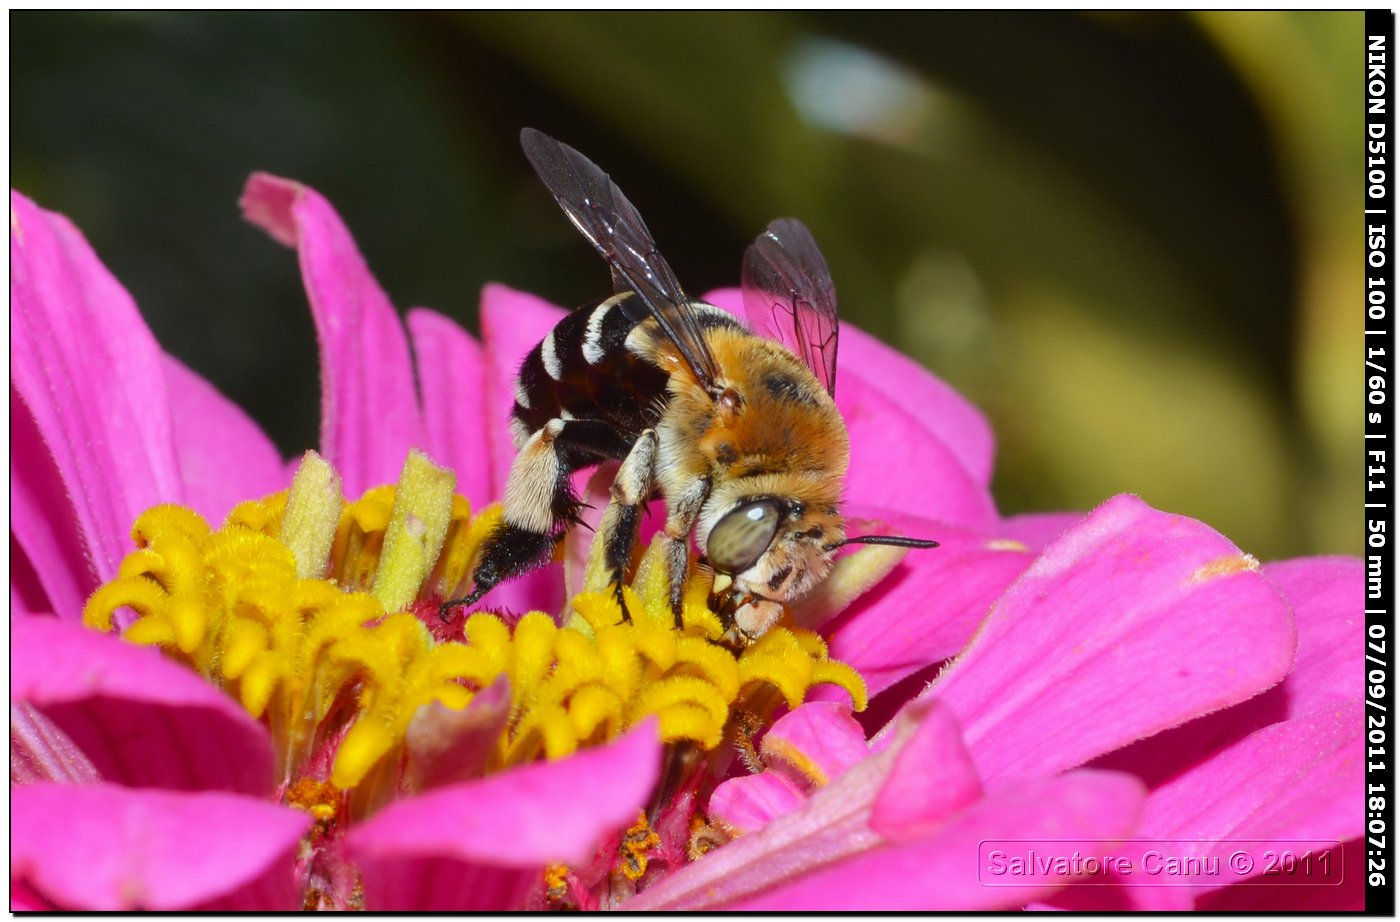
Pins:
x: 1133, y: 239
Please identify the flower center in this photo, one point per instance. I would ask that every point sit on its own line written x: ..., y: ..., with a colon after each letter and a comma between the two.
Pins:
x: 320, y: 617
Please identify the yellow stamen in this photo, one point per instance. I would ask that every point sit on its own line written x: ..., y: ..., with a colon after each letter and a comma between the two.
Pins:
x: 639, y: 839
x: 556, y: 881
x: 602, y: 674
x: 359, y: 538
x: 236, y: 605
x: 466, y: 534
x: 265, y: 515
x: 705, y: 836
x: 306, y: 609
x: 318, y: 798
x: 835, y: 672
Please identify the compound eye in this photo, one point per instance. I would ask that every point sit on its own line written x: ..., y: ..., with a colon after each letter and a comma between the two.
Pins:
x: 741, y: 537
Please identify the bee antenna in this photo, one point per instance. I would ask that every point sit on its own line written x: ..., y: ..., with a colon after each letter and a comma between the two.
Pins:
x: 892, y: 540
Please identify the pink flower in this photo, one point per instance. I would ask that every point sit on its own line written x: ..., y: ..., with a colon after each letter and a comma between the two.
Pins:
x: 176, y: 805
x: 1115, y: 680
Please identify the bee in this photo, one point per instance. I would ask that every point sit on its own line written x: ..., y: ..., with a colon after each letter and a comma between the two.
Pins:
x: 734, y: 426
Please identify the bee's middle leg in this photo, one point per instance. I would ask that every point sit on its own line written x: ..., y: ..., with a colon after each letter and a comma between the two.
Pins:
x: 630, y: 490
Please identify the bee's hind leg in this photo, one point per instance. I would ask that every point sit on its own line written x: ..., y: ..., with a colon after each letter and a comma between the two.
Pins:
x: 618, y: 530
x: 539, y: 503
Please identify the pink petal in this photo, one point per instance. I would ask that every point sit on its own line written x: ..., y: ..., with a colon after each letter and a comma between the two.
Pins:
x: 1296, y: 780
x: 1038, y: 530
x: 103, y: 847
x: 452, y: 379
x: 950, y: 415
x: 750, y: 802
x: 538, y: 590
x: 40, y: 751
x: 142, y: 720
x: 27, y: 596
x: 1131, y: 623
x: 1105, y: 894
x: 369, y: 411
x: 24, y: 898
x: 938, y: 408
x: 90, y: 373
x: 1348, y: 896
x: 512, y: 323
x: 816, y: 743
x: 1291, y: 786
x: 1325, y: 595
x: 482, y: 844
x: 898, y: 464
x: 446, y: 746
x: 929, y: 607
x: 948, y: 869
x: 835, y: 822
x: 224, y: 457
x: 44, y: 528
x: 932, y: 779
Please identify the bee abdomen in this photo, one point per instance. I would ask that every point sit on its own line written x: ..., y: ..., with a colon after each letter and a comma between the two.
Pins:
x: 583, y: 370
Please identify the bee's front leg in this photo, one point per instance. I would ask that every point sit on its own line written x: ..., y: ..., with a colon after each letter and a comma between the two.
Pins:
x: 618, y: 529
x: 680, y: 519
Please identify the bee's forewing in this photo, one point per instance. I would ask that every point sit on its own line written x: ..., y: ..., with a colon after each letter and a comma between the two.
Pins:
x: 600, y: 211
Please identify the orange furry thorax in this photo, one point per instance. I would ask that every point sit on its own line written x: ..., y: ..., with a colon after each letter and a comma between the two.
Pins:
x: 785, y: 428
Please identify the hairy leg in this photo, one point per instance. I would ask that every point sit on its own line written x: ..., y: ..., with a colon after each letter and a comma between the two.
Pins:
x: 539, y: 503
x: 630, y: 490
x: 680, y: 519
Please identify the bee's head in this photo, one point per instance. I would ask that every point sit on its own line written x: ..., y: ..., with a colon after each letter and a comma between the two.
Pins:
x: 775, y: 549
